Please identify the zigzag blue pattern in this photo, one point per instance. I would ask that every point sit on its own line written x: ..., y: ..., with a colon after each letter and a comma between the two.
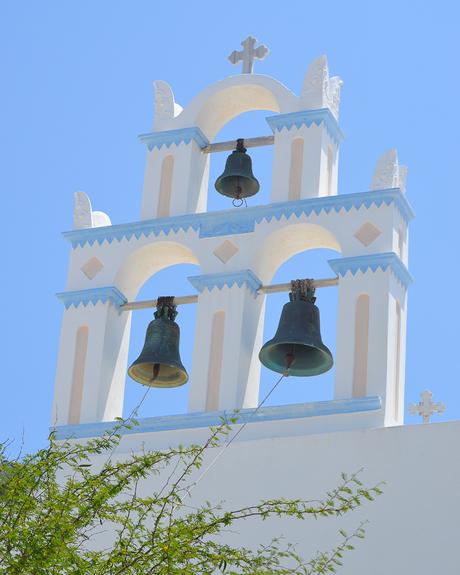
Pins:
x: 240, y: 278
x: 307, y: 118
x: 92, y: 295
x: 170, y: 137
x: 243, y: 220
x: 372, y: 262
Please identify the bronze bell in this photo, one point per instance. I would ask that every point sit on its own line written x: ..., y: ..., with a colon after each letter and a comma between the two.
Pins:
x: 159, y: 364
x: 297, y: 348
x: 237, y: 180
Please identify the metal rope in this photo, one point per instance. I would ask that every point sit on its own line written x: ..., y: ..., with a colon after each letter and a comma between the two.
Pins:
x: 235, y: 435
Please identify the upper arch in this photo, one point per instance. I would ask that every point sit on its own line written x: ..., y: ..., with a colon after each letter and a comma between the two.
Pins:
x: 143, y: 263
x: 280, y: 245
x: 219, y: 103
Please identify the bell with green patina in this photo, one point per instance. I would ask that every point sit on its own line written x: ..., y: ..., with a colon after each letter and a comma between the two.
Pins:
x: 159, y: 364
x: 237, y: 180
x: 297, y: 348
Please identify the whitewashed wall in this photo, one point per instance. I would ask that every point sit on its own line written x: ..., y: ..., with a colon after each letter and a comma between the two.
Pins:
x: 413, y: 527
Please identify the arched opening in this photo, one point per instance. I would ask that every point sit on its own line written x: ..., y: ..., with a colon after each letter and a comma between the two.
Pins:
x: 308, y: 264
x: 213, y: 112
x: 158, y: 269
x: 246, y: 125
x: 169, y: 281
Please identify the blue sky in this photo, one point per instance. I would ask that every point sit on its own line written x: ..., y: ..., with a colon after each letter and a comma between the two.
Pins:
x: 76, y: 92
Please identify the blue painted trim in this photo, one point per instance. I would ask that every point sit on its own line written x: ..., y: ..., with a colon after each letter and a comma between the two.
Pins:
x: 372, y: 262
x: 243, y: 220
x: 170, y: 137
x: 212, y: 418
x: 94, y: 295
x: 226, y: 223
x: 240, y: 278
x: 307, y: 118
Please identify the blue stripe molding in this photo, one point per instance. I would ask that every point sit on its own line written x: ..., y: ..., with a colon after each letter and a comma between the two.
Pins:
x: 170, y: 137
x: 307, y: 118
x: 372, y: 262
x: 213, y: 418
x: 83, y: 297
x: 240, y: 278
x: 242, y: 220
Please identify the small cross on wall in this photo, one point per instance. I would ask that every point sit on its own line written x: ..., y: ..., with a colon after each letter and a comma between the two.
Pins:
x: 426, y: 407
x: 248, y: 54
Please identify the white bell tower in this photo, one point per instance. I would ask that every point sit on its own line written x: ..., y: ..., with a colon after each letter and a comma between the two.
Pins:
x: 238, y: 251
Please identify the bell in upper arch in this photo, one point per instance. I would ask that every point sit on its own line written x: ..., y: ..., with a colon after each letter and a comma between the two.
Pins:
x: 159, y: 364
x: 297, y: 348
x: 237, y: 180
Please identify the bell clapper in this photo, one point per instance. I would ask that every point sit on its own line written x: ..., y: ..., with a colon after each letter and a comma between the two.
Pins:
x: 290, y: 358
x: 156, y: 371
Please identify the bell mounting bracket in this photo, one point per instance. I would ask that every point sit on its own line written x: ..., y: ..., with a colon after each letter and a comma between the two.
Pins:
x: 302, y: 290
x: 166, y: 308
x: 240, y: 146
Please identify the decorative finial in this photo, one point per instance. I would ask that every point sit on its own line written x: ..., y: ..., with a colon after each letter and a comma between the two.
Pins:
x: 389, y: 173
x: 84, y: 216
x: 426, y: 407
x: 319, y: 90
x: 248, y: 54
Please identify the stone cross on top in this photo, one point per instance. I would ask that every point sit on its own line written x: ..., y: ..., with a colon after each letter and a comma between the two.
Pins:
x: 426, y: 407
x: 248, y: 54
